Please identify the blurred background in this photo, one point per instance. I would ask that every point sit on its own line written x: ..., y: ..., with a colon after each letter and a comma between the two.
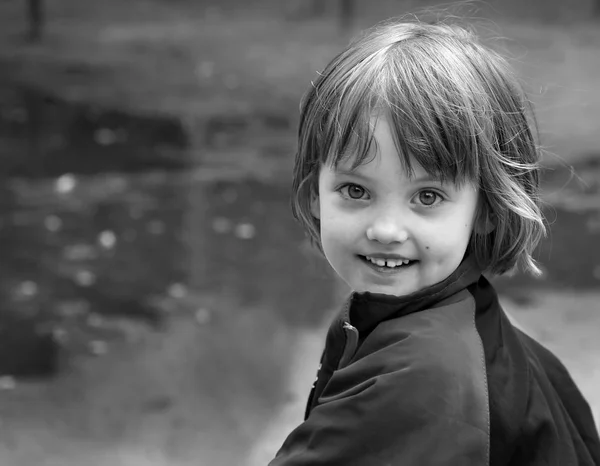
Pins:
x: 158, y: 304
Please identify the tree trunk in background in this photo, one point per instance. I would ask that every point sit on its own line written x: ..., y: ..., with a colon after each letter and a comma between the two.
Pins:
x: 314, y: 9
x: 318, y: 8
x: 304, y: 9
x: 35, y: 14
x: 347, y: 12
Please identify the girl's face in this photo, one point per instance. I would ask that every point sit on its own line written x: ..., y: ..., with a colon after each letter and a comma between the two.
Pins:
x: 387, y: 233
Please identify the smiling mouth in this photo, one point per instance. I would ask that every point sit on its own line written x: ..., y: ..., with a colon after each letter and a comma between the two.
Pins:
x: 387, y: 265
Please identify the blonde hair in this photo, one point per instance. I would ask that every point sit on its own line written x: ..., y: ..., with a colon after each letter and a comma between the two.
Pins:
x: 455, y: 107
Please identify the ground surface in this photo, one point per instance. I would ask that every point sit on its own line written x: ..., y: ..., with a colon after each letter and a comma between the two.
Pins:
x: 210, y: 243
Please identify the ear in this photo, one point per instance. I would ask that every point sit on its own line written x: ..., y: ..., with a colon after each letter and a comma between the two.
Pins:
x: 485, y: 220
x: 485, y: 225
x: 315, y: 207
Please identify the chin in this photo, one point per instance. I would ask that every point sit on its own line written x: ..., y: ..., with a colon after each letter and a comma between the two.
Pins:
x: 385, y: 289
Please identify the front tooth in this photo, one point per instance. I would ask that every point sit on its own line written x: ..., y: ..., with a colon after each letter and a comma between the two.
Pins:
x: 392, y: 263
x: 380, y: 262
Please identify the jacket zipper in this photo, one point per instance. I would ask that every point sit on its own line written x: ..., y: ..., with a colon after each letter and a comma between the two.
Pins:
x: 350, y: 346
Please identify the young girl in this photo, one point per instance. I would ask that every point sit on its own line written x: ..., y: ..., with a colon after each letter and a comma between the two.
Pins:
x: 417, y: 172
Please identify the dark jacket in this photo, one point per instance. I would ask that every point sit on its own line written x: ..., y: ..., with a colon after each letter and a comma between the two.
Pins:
x: 440, y: 377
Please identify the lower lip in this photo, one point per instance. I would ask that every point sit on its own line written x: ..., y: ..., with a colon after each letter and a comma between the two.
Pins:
x: 386, y: 270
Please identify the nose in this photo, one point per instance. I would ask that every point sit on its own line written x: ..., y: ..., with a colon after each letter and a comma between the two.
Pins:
x: 387, y: 230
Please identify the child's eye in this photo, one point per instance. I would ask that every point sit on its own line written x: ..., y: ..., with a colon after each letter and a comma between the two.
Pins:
x: 429, y: 198
x: 353, y: 191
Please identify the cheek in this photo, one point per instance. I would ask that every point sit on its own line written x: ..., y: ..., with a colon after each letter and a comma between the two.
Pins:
x: 338, y: 231
x: 443, y: 243
x: 337, y: 227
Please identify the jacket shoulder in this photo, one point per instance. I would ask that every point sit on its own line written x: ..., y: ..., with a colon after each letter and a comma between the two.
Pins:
x: 443, y: 340
x: 433, y: 357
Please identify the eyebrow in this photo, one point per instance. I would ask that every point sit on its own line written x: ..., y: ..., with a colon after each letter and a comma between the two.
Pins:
x: 421, y: 179
x: 351, y: 173
x: 427, y: 178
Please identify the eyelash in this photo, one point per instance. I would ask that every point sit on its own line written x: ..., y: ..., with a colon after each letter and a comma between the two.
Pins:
x: 345, y: 186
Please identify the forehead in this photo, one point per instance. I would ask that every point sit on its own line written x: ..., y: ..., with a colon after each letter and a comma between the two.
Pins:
x: 383, y: 168
x: 380, y: 145
x: 383, y: 156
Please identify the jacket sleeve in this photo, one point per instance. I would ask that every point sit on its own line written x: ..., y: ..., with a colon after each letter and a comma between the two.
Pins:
x: 413, y: 403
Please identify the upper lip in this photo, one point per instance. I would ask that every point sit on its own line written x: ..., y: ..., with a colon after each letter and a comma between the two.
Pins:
x: 379, y: 255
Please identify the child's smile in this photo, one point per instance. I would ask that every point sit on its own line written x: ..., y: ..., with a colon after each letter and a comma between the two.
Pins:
x: 386, y: 232
x: 386, y: 263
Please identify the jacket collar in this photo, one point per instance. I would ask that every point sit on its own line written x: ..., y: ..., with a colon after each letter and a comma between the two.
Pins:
x: 366, y: 310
